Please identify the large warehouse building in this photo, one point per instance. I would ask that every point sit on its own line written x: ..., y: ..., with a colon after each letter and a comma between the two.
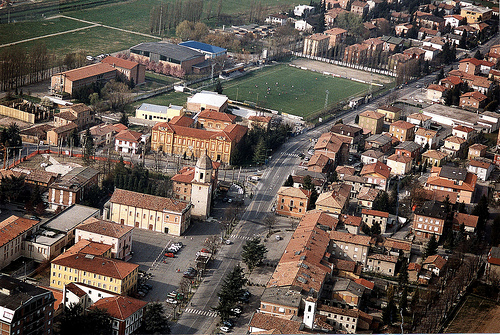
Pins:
x: 172, y: 54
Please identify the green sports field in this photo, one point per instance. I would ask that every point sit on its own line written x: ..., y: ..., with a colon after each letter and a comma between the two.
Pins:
x: 290, y: 90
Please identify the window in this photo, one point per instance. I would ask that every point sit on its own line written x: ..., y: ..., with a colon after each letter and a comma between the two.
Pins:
x: 355, y: 249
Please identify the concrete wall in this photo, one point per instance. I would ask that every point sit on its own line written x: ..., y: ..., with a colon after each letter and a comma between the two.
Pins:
x: 17, y: 114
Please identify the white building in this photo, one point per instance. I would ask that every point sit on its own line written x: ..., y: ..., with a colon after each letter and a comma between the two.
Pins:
x: 481, y: 169
x: 303, y: 10
x: 127, y: 141
x: 426, y: 136
x: 452, y: 20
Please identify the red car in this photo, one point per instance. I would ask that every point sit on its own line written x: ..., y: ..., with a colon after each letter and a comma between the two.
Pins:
x: 169, y: 254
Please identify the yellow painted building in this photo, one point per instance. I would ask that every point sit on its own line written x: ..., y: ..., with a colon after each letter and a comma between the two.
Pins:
x: 475, y: 14
x: 144, y: 211
x: 101, y: 272
x: 158, y: 113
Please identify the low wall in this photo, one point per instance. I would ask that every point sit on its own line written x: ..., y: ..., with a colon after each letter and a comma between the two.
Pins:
x: 17, y: 114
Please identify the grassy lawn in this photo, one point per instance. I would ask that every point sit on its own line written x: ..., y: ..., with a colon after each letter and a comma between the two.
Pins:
x: 24, y: 30
x: 93, y: 41
x: 161, y: 78
x: 291, y: 90
x: 174, y: 98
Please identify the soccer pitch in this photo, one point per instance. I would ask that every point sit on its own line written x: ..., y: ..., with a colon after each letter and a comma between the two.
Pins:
x: 290, y: 90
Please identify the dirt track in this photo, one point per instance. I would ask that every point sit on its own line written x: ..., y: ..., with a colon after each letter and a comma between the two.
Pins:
x: 343, y: 71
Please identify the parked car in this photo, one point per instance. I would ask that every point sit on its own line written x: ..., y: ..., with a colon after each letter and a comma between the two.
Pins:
x: 236, y: 310
x: 227, y: 323
x: 225, y: 329
x: 169, y: 254
x: 171, y: 301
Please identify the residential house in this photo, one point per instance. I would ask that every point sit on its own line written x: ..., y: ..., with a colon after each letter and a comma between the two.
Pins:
x: 335, y: 201
x: 133, y: 72
x: 68, y: 82
x: 371, y: 121
x: 434, y: 157
x: 332, y: 14
x: 452, y: 20
x: 450, y: 82
x: 306, y: 25
x: 402, y: 29
x: 476, y: 150
x: 454, y: 146
x: 303, y: 10
x: 41, y: 178
x: 377, y: 174
x: 61, y: 135
x: 298, y: 182
x: 391, y: 113
x: 351, y: 133
x: 126, y: 313
x: 396, y: 247
x: 464, y: 132
x: 371, y: 217
x: 367, y: 196
x: 343, y: 171
x: 102, y: 134
x: 334, y: 147
x: 128, y: 141
x: 316, y: 45
x: 402, y: 130
x: 259, y: 121
x: 475, y: 14
x: 277, y: 19
x: 356, y: 53
x: 399, y: 165
x: 351, y: 223
x: 391, y: 43
x: 144, y: 211
x: 346, y: 293
x: 359, y: 8
x: 434, y: 263
x: 15, y: 230
x: 435, y: 93
x: 107, y: 232
x: 473, y: 100
x: 429, y: 219
x: 26, y: 308
x: 319, y: 163
x: 371, y: 156
x: 356, y: 182
x: 425, y: 137
x: 292, y: 202
x: 468, y: 221
x: 408, y: 149
x: 280, y: 302
x: 453, y: 180
x: 110, y: 274
x: 398, y: 17
x: 80, y: 114
x: 89, y: 248
x: 349, y: 246
x: 158, y: 113
x: 337, y: 36
x: 414, y: 52
x: 341, y: 320
x: 380, y: 142
x: 481, y: 169
x: 470, y: 66
x: 72, y: 187
x: 493, y: 264
x: 414, y: 272
x: 384, y: 264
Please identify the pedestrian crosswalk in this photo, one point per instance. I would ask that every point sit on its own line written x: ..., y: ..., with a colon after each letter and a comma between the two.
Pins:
x: 248, y: 238
x: 211, y: 314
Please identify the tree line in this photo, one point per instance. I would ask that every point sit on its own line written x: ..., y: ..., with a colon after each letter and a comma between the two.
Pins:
x: 167, y: 16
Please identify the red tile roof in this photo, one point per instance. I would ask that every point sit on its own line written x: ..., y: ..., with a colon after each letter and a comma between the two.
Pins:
x: 120, y: 62
x: 105, y: 228
x: 275, y: 325
x: 372, y: 115
x: 96, y: 264
x: 86, y: 247
x: 476, y: 95
x: 435, y: 87
x: 232, y: 132
x: 402, y: 124
x: 119, y: 307
x: 217, y: 116
x: 350, y: 220
x: 466, y: 219
x: 474, y: 61
x: 350, y: 238
x: 365, y: 283
x: 152, y: 202
x: 182, y: 120
x: 374, y: 213
x: 13, y: 227
x: 400, y: 158
x: 87, y: 71
x: 377, y: 168
x: 454, y: 80
x: 128, y: 135
x: 185, y: 175
x: 436, y: 260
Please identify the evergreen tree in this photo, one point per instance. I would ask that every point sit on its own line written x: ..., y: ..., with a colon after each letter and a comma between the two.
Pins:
x: 403, y: 301
x: 230, y: 292
x: 124, y: 119
x: 253, y: 253
x: 432, y: 246
x: 481, y: 210
x: 289, y: 181
x: 218, y: 86
x: 260, y: 152
x: 403, y: 272
x: 495, y: 231
x: 155, y: 321
x: 381, y: 202
x: 356, y: 119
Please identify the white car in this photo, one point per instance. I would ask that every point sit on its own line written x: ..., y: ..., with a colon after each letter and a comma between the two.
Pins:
x: 171, y: 301
x: 225, y: 329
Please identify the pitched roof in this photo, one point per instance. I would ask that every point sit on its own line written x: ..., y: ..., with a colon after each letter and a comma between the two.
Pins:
x: 232, y: 132
x: 368, y: 193
x: 402, y: 124
x: 120, y: 62
x: 433, y: 209
x: 350, y: 220
x: 474, y: 61
x: 435, y: 87
x: 96, y: 264
x: 480, y: 164
x: 377, y: 168
x: 391, y: 243
x: 75, y: 179
x: 425, y: 133
x: 152, y: 202
x: 414, y: 267
x: 366, y: 283
x: 119, y: 307
x: 436, y: 260
x: 185, y: 175
x: 372, y: 115
x: 294, y: 192
x: 345, y: 170
x: 434, y: 154
x: 336, y: 198
x: 454, y: 80
x: 466, y: 219
x: 478, y: 146
x: 384, y: 258
x: 65, y: 128
x: 274, y: 324
x: 86, y: 247
x: 476, y: 95
x: 463, y: 129
x: 455, y: 139
x: 350, y: 238
x: 128, y: 135
x: 87, y: 71
x: 400, y: 158
x: 335, y: 31
x: 103, y: 227
x: 317, y: 37
x: 390, y: 108
x: 13, y: 227
x: 372, y: 154
x: 494, y: 256
x: 212, y: 48
x: 218, y: 116
x: 373, y: 212
x: 318, y: 159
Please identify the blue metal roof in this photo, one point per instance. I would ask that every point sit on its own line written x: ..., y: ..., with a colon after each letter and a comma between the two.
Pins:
x: 203, y: 47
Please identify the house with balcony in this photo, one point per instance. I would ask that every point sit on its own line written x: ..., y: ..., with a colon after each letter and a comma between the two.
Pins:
x: 454, y: 181
x: 428, y: 220
x: 481, y: 169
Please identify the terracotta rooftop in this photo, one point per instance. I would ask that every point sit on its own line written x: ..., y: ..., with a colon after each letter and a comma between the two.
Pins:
x: 128, y: 135
x: 120, y: 62
x: 480, y: 164
x: 463, y: 129
x: 182, y: 120
x: 377, y: 168
x: 426, y: 132
x: 434, y: 154
x: 86, y: 247
x: 96, y: 264
x: 87, y: 71
x: 13, y: 227
x: 400, y: 158
x: 436, y: 260
x: 263, y: 119
x: 368, y: 193
x: 384, y: 258
x: 105, y: 228
x: 152, y: 202
x: 275, y: 325
x: 372, y: 115
x: 373, y: 212
x: 391, y: 243
x: 294, y: 192
x: 402, y: 124
x: 475, y: 95
x: 350, y: 238
x: 232, y: 132
x: 217, y: 116
x: 454, y: 80
x: 466, y: 219
x: 119, y: 307
x: 455, y: 139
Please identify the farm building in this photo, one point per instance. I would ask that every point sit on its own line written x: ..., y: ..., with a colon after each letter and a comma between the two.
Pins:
x: 174, y: 55
x: 70, y: 81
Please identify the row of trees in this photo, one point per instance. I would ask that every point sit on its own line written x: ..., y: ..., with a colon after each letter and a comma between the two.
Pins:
x: 158, y: 67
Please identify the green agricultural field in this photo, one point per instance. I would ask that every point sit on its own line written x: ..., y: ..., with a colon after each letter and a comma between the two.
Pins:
x: 291, y: 90
x: 93, y: 41
x: 23, y: 30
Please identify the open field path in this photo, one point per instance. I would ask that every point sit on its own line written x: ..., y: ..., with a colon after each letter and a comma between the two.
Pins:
x: 90, y: 25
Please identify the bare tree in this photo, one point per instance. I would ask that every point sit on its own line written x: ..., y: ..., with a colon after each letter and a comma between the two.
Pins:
x: 270, y: 223
x: 211, y: 243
